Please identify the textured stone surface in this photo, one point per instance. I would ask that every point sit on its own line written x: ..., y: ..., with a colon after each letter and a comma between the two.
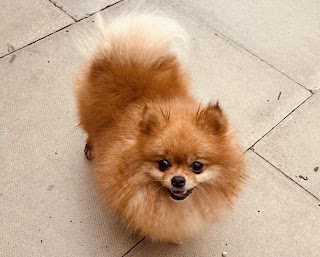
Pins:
x: 294, y: 145
x: 23, y: 22
x: 49, y: 203
x: 81, y: 9
x: 286, y: 34
x: 247, y: 88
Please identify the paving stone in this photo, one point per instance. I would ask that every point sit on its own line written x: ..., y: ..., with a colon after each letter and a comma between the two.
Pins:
x: 255, y: 96
x: 81, y: 9
x: 23, y: 22
x: 285, y: 34
x: 273, y: 217
x: 49, y: 202
x: 294, y: 145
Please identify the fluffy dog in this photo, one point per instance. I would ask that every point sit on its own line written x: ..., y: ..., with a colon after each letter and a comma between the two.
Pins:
x: 166, y: 164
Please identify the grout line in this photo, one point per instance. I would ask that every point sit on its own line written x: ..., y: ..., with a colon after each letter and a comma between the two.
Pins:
x: 273, y: 67
x: 15, y: 50
x: 134, y: 246
x: 110, y: 5
x: 60, y: 7
x: 67, y: 26
x: 284, y: 174
x: 242, y: 47
x: 281, y: 121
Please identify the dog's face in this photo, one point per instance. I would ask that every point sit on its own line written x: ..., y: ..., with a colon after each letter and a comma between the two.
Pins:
x: 183, y: 146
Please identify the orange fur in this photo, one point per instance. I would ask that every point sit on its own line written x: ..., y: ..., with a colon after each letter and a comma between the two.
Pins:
x: 134, y: 103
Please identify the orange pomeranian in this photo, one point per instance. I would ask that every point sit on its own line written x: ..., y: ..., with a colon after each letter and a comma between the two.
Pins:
x: 166, y: 164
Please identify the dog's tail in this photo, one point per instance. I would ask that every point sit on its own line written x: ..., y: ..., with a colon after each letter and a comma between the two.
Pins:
x: 142, y: 37
x: 137, y: 56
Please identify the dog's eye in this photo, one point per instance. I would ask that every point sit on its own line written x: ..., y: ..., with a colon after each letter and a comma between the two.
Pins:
x: 196, y: 167
x: 164, y: 165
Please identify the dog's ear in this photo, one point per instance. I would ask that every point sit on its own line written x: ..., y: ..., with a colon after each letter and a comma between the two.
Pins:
x: 153, y: 118
x: 212, y: 119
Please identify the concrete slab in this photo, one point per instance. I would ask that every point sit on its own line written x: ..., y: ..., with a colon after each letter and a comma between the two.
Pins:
x: 247, y: 88
x: 23, y: 22
x: 285, y: 34
x: 49, y: 203
x: 294, y: 145
x: 255, y: 96
x: 274, y: 217
x: 81, y: 9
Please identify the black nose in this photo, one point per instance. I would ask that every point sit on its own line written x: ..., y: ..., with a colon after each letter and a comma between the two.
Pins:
x: 178, y: 181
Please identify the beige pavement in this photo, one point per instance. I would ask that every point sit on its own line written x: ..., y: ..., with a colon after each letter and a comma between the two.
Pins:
x: 260, y: 59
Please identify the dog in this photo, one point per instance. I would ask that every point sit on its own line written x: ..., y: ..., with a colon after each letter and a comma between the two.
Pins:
x: 168, y: 165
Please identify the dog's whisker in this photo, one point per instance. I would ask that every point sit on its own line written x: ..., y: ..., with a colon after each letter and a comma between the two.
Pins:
x: 151, y: 181
x: 155, y: 180
x: 159, y: 188
x: 198, y: 186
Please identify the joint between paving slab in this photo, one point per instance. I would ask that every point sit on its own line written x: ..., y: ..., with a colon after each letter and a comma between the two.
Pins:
x: 252, y: 149
x: 280, y: 121
x: 133, y: 247
x: 108, y: 6
x: 239, y: 45
x: 273, y: 67
x: 60, y: 7
x: 71, y: 24
x: 18, y: 49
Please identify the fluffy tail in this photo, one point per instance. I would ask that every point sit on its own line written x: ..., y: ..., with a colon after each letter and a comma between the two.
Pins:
x: 137, y: 56
x: 141, y: 36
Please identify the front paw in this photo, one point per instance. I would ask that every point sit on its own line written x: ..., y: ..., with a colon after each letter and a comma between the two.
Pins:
x: 88, y: 151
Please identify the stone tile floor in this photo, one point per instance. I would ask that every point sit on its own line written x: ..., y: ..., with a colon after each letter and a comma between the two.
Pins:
x: 260, y: 59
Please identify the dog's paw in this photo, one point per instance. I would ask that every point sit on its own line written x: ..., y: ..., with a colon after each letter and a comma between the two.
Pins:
x: 88, y: 151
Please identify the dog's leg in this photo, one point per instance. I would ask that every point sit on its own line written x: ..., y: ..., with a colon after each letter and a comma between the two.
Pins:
x: 88, y: 150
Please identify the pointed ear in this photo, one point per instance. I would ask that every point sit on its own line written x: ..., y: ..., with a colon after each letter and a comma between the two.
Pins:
x: 152, y: 119
x: 212, y: 119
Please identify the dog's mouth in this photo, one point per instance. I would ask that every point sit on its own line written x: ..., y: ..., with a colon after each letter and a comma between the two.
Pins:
x: 179, y: 195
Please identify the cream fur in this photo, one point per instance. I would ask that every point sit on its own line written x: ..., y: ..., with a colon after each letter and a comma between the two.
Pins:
x: 160, y: 35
